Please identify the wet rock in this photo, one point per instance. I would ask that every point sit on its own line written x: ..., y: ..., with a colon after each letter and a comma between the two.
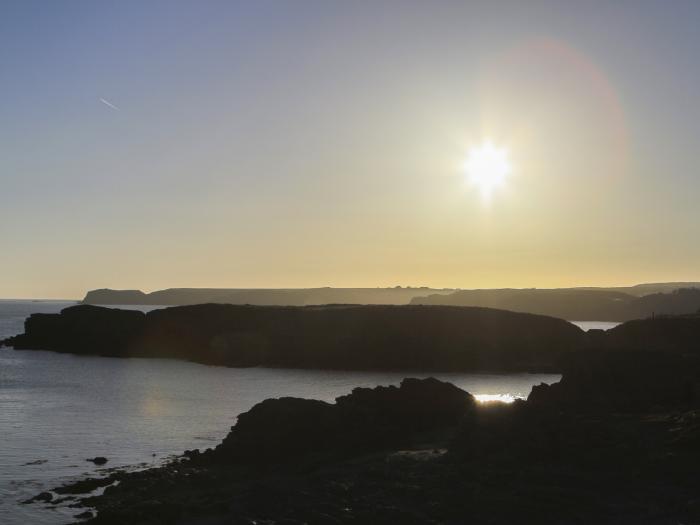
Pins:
x: 44, y: 497
x: 65, y: 499
x: 84, y: 486
x: 99, y: 460
x: 367, y: 419
x: 36, y: 462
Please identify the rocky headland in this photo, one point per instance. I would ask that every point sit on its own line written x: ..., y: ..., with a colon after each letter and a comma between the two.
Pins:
x: 261, y: 297
x: 367, y: 337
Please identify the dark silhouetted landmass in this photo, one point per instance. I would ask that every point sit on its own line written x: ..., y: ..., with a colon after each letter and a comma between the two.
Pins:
x: 336, y: 337
x: 617, y: 441
x: 652, y: 288
x: 262, y: 297
x: 277, y: 430
x: 372, y: 337
x: 576, y: 304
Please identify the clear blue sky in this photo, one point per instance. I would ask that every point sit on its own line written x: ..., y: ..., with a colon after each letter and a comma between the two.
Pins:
x: 269, y: 144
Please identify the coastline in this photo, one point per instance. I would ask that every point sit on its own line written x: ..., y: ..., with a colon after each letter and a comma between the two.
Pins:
x: 561, y: 456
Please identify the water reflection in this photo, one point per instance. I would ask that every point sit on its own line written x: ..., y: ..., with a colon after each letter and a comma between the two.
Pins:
x: 502, y: 398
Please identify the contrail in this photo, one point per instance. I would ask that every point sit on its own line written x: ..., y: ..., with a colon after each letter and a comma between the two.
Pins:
x: 108, y: 103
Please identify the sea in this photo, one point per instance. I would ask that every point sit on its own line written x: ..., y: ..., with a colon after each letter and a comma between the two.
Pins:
x: 58, y: 410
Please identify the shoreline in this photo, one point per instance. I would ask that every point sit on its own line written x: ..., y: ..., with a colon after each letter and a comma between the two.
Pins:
x: 285, y: 470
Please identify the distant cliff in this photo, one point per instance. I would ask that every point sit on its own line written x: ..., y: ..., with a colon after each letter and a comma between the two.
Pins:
x: 269, y: 297
x: 575, y: 304
x: 342, y: 337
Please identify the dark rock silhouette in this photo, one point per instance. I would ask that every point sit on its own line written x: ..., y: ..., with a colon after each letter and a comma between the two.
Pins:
x: 624, y: 380
x: 99, y: 460
x: 42, y: 497
x: 349, y: 337
x: 367, y: 419
x: 279, y: 429
x: 82, y: 329
x: 664, y: 333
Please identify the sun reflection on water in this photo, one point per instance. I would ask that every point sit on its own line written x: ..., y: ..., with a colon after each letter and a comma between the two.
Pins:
x: 501, y: 398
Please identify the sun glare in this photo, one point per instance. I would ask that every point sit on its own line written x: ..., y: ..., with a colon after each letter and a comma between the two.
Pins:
x: 487, y: 167
x: 495, y: 398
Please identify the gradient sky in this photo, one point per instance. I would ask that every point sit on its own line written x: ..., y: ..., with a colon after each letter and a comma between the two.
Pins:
x: 300, y: 143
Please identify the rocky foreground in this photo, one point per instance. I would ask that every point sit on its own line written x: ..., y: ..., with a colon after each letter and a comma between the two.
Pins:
x: 609, y: 444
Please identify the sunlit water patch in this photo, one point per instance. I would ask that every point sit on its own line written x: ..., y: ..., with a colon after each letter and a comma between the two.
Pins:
x: 595, y: 325
x: 500, y: 398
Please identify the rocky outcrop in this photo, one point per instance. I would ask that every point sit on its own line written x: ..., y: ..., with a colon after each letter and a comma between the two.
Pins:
x: 286, y: 429
x: 624, y: 380
x: 278, y: 430
x: 83, y: 329
x: 675, y: 334
x: 347, y: 337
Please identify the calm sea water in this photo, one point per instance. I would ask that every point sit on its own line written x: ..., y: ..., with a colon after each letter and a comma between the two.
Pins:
x: 56, y: 410
x: 598, y: 325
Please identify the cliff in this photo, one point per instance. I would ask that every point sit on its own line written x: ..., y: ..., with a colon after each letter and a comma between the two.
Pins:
x: 575, y: 304
x: 266, y: 297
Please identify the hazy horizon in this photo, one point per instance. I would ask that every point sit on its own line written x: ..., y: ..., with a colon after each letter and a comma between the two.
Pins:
x: 268, y: 145
x: 80, y: 296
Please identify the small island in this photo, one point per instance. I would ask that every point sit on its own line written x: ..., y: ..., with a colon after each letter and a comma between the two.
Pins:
x: 368, y: 337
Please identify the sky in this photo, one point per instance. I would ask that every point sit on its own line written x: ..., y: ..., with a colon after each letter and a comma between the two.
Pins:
x: 148, y: 145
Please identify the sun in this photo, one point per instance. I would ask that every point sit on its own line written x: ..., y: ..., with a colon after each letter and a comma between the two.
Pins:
x: 487, y: 167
